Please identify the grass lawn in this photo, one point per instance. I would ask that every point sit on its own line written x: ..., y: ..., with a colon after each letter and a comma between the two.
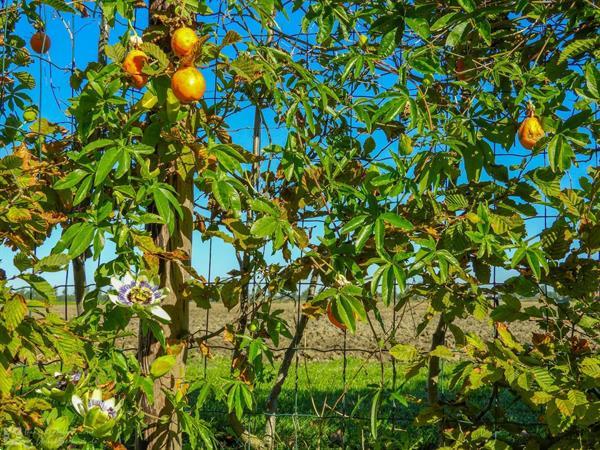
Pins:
x: 313, y: 416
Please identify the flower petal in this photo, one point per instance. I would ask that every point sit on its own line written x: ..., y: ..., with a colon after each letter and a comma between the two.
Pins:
x: 127, y: 279
x: 115, y: 299
x: 116, y: 283
x: 157, y: 298
x: 160, y: 313
x: 96, y: 395
x: 110, y: 403
x: 78, y: 404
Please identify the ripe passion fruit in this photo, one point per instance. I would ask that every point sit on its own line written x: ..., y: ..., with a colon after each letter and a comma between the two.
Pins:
x: 188, y: 84
x: 133, y: 65
x: 40, y: 42
x: 183, y: 42
x: 531, y: 130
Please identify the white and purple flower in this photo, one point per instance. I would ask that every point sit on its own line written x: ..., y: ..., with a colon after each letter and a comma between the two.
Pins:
x: 139, y: 294
x: 107, y: 407
x: 99, y: 416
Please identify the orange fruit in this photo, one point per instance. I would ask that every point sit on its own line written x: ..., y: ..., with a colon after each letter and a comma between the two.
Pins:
x: 333, y: 320
x: 133, y: 65
x: 40, y: 42
x: 188, y: 85
x: 183, y: 42
x: 530, y: 132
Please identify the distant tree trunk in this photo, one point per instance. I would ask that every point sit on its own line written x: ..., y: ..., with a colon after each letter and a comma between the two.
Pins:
x: 438, y: 338
x: 79, y: 280
x: 166, y: 434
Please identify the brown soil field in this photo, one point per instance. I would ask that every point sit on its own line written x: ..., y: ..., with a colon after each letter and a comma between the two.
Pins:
x: 322, y: 340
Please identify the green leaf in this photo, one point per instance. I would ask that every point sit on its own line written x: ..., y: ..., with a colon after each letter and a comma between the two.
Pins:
x: 226, y: 195
x: 576, y: 48
x: 480, y: 434
x: 52, y: 263
x: 157, y: 53
x: 40, y: 285
x: 26, y: 78
x: 22, y: 262
x: 467, y: 5
x: 71, y: 180
x: 263, y: 227
x: 173, y: 106
x: 404, y: 352
x: 565, y: 406
x: 592, y: 78
x: 363, y: 236
x: 405, y: 145
x: 397, y: 221
x: 375, y: 404
x: 83, y: 239
x: 544, y: 379
x: 354, y: 223
x: 441, y: 351
x: 485, y: 30
x: 454, y: 37
x: 164, y: 209
x: 107, y: 162
x: 172, y: 200
x: 591, y: 368
x: 560, y: 153
x: 14, y: 311
x: 6, y: 380
x: 115, y: 52
x: 387, y: 44
x: 95, y: 145
x: 82, y: 190
x: 55, y: 434
x: 380, y: 237
x: 162, y: 365
x: 443, y: 21
x: 387, y: 285
x: 419, y: 26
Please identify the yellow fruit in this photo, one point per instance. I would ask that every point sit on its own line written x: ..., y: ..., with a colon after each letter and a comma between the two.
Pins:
x: 188, y: 85
x: 40, y: 42
x: 530, y: 132
x: 183, y: 42
x: 133, y: 65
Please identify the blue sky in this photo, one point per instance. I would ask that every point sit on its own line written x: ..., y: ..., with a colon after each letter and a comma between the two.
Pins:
x: 54, y: 91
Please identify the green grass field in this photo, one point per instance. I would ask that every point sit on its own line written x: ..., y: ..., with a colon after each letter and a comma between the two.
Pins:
x: 309, y: 418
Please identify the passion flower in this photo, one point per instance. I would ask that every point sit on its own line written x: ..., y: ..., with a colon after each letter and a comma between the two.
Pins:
x: 139, y: 294
x: 99, y: 415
